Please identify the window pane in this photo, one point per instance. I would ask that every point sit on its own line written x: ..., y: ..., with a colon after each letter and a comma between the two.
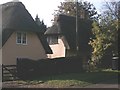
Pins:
x: 18, y: 37
x: 24, y: 38
x: 53, y: 40
x: 48, y: 39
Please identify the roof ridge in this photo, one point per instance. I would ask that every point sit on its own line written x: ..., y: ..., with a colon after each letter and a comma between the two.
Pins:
x: 8, y: 4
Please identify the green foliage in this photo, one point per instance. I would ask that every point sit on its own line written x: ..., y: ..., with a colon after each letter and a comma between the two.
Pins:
x: 106, y: 33
x: 105, y: 27
x: 99, y: 43
x: 85, y: 9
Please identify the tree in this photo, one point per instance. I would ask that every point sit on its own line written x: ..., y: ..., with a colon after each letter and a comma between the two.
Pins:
x: 86, y: 10
x: 41, y: 24
x: 106, y: 32
x: 111, y: 21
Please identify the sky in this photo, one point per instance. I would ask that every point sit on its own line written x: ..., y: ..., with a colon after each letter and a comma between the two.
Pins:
x: 45, y: 8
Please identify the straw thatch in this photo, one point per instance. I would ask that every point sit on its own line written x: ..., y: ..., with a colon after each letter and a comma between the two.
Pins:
x: 15, y: 17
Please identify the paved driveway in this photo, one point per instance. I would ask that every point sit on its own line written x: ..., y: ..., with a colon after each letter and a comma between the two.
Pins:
x: 104, y: 86
x: 107, y: 84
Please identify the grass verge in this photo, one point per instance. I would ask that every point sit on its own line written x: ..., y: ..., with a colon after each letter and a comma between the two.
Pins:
x: 77, y: 79
x: 106, y: 76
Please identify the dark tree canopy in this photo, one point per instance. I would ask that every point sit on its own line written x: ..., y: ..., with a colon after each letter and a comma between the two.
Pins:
x: 40, y: 23
x: 105, y: 30
x: 86, y: 10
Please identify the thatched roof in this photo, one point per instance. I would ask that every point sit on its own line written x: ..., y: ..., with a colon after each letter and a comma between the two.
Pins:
x: 67, y: 25
x: 15, y: 17
x: 53, y: 30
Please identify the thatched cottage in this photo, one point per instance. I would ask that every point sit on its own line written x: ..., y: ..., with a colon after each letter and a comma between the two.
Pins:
x: 61, y: 37
x: 21, y: 36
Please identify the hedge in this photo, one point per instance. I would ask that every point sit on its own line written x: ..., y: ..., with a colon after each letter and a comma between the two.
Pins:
x: 28, y: 68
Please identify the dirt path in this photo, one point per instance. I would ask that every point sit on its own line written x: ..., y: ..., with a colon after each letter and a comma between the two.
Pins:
x: 16, y: 84
x: 46, y: 86
x: 22, y: 84
x: 103, y: 86
x: 113, y: 83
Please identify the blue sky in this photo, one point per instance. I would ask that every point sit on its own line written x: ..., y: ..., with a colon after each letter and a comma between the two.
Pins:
x: 45, y: 8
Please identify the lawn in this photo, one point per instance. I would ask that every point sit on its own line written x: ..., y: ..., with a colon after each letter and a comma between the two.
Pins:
x: 76, y: 79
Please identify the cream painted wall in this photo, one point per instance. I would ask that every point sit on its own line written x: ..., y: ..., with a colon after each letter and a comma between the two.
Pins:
x: 58, y: 49
x: 33, y: 49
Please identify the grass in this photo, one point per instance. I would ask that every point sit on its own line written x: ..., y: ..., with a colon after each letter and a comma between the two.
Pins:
x: 77, y: 79
x: 110, y: 70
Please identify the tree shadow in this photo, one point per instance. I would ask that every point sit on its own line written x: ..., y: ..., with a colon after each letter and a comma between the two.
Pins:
x: 89, y: 77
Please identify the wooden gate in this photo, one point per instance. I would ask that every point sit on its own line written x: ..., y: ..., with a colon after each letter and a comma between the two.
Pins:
x: 9, y: 72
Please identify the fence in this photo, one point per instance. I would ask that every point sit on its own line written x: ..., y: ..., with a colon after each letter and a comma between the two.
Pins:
x: 9, y: 72
x: 28, y: 68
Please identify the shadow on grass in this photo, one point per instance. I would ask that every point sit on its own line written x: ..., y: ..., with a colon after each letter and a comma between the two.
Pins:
x: 104, y: 77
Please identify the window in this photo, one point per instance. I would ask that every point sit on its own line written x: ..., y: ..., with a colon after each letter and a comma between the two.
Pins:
x: 52, y: 40
x: 24, y: 38
x: 21, y: 38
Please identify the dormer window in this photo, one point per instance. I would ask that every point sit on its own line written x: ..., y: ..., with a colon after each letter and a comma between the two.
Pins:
x: 52, y: 40
x: 21, y: 38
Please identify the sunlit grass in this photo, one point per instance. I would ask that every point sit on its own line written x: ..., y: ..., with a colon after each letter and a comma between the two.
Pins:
x: 110, y: 70
x: 67, y: 83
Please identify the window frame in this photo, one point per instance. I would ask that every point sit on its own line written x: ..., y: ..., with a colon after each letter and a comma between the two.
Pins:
x: 21, y: 38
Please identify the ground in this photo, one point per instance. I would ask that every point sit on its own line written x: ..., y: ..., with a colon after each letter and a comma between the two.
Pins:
x: 104, y: 79
x: 16, y: 84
